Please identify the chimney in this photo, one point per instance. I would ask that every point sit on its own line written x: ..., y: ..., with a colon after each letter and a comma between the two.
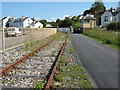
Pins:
x: 14, y: 17
x: 112, y: 10
x: 23, y: 17
x: 8, y: 16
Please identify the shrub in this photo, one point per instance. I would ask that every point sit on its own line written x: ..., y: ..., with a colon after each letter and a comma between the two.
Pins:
x: 114, y: 26
x: 108, y: 37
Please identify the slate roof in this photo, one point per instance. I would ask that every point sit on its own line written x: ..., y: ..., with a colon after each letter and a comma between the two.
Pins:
x: 115, y: 13
x: 4, y: 18
x: 16, y: 20
x: 89, y: 17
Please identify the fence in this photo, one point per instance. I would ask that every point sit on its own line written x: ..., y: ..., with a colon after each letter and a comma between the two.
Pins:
x: 64, y: 29
x: 26, y: 35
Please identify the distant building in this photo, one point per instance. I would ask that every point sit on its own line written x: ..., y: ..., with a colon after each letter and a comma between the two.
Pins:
x: 23, y: 22
x: 36, y: 24
x: 5, y: 20
x: 80, y: 16
x: 112, y: 15
x: 88, y: 22
x: 48, y: 25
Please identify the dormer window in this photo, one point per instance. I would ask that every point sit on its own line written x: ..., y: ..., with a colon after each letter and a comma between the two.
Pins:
x: 106, y: 19
x: 28, y: 21
x: 119, y: 19
x: 115, y: 19
x: 86, y: 21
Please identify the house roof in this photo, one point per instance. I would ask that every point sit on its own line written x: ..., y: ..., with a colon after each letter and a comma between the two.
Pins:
x: 48, y: 25
x: 18, y: 19
x: 33, y: 23
x: 115, y: 13
x: 4, y: 18
x: 89, y: 17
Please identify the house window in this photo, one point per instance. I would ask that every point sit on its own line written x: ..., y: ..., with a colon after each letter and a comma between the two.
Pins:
x: 115, y: 19
x: 119, y: 18
x: 106, y: 19
x: 86, y: 21
x: 28, y: 21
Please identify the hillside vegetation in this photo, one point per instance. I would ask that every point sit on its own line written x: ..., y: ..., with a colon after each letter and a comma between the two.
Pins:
x: 105, y: 36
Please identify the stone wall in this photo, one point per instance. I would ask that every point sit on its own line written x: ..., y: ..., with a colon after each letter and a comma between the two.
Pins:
x: 30, y: 35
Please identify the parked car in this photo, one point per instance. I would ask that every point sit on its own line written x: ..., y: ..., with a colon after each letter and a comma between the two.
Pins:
x: 13, y: 31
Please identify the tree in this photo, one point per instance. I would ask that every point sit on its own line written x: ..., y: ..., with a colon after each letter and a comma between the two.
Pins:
x: 75, y: 19
x: 86, y: 12
x: 44, y: 22
x: 97, y: 10
x: 53, y: 24
x: 66, y: 23
x: 33, y: 19
x: 77, y: 25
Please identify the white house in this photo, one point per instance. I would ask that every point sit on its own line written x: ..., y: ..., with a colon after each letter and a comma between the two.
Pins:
x: 36, y: 24
x: 48, y: 25
x: 110, y: 16
x: 22, y: 22
x: 4, y: 21
x: 0, y: 23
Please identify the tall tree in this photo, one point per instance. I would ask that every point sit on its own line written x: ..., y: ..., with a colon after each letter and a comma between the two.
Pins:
x: 44, y: 22
x: 97, y: 10
x: 67, y: 22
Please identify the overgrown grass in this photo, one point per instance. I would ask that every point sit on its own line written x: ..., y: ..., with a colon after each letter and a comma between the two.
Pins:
x: 36, y: 44
x: 56, y: 37
x: 39, y: 84
x: 106, y: 37
x: 70, y: 74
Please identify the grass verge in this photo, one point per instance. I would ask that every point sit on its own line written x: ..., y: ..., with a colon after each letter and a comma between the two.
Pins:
x: 70, y: 73
x: 36, y: 44
x: 109, y: 38
x: 56, y: 37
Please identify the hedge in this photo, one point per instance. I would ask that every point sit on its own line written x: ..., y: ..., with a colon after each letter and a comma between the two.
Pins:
x: 113, y: 26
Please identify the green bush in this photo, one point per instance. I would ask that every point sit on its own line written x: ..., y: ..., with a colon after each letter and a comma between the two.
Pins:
x: 108, y: 37
x: 114, y: 26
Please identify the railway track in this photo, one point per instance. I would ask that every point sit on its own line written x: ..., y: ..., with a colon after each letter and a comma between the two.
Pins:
x: 25, y: 72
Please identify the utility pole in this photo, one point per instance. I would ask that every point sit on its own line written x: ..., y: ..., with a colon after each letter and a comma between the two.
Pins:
x: 3, y: 39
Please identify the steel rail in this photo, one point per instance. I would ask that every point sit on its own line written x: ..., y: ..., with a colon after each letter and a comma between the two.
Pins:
x: 4, y: 72
x: 49, y: 83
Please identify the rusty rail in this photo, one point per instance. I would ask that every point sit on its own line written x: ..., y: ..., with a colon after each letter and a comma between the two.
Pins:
x: 49, y: 83
x: 14, y: 64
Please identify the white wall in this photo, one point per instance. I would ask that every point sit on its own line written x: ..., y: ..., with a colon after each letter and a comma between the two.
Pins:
x: 109, y: 18
x: 27, y: 22
x: 38, y: 25
x: 118, y: 17
x: 5, y: 21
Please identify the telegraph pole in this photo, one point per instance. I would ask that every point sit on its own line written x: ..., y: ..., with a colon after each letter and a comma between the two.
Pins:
x: 3, y: 40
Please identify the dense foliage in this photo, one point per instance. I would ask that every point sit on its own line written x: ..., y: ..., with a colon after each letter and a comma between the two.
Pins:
x: 114, y: 26
x: 44, y: 22
x: 97, y: 9
x: 107, y: 37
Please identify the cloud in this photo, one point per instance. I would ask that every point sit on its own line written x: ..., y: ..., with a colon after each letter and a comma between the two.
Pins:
x: 52, y: 19
x: 38, y: 18
x: 64, y: 17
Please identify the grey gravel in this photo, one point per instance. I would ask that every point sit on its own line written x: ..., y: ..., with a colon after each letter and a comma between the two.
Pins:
x: 34, y: 68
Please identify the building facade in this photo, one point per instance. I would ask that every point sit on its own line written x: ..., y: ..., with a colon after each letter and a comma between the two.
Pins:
x: 110, y: 16
x: 23, y: 22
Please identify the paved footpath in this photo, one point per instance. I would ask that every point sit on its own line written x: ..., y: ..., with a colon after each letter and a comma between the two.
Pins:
x: 100, y: 61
